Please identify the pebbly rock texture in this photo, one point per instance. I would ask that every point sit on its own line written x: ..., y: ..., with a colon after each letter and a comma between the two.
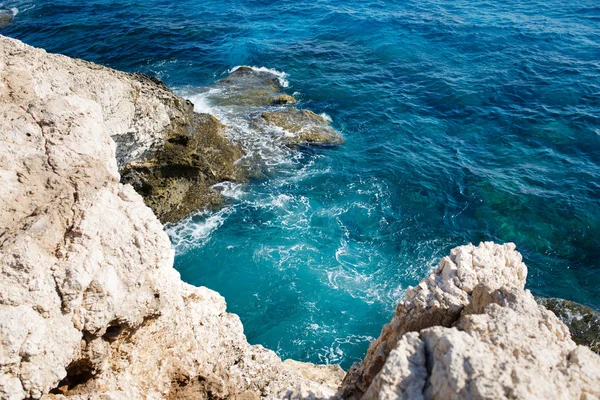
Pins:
x: 90, y: 306
x: 583, y: 322
x: 177, y: 180
x: 470, y: 330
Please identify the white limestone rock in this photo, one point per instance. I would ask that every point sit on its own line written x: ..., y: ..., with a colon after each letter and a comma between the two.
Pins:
x: 88, y: 294
x: 91, y: 308
x: 471, y: 331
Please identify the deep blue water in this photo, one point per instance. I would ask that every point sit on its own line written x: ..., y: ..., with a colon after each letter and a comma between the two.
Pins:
x: 465, y: 121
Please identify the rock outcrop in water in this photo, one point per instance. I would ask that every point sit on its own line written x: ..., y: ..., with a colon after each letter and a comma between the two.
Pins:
x: 246, y: 86
x: 261, y: 94
x: 6, y: 16
x: 90, y: 306
x: 177, y: 180
x: 302, y: 126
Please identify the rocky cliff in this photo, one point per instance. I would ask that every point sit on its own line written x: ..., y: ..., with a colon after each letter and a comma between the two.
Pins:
x: 91, y: 307
x: 90, y: 304
x: 471, y: 331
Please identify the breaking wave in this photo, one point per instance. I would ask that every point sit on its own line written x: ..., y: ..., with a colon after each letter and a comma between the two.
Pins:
x: 281, y: 76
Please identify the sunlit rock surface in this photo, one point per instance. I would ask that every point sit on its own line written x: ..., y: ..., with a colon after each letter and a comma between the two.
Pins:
x: 471, y: 331
x: 90, y: 305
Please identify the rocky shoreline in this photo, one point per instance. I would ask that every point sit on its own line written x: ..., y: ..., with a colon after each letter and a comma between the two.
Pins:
x: 91, y: 306
x: 176, y: 176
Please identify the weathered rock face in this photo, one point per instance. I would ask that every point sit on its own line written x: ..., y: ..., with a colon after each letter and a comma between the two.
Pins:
x: 470, y: 330
x: 90, y: 305
x: 174, y: 174
x: 177, y: 180
x: 149, y: 124
x: 582, y: 321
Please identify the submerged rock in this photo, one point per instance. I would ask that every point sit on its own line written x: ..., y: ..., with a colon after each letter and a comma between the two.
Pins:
x: 302, y: 126
x: 247, y: 86
x: 6, y: 16
x: 583, y: 322
x: 177, y: 180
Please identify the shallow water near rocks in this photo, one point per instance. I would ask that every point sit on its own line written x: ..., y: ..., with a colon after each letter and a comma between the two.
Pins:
x: 464, y: 121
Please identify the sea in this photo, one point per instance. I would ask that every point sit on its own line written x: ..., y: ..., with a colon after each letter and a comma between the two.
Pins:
x: 465, y: 121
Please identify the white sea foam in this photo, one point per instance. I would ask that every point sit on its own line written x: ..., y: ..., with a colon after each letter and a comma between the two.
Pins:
x: 334, y: 353
x: 282, y: 76
x: 281, y: 200
x: 195, y: 230
x: 359, y: 274
x: 230, y: 190
x: 326, y: 117
x: 200, y: 100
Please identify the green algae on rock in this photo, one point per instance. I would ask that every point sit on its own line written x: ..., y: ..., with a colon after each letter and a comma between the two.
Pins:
x: 583, y: 322
x: 258, y: 96
x: 177, y: 180
x: 302, y: 126
x: 191, y: 153
x: 247, y: 86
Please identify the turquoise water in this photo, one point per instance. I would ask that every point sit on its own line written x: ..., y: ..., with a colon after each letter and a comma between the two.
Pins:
x: 465, y: 121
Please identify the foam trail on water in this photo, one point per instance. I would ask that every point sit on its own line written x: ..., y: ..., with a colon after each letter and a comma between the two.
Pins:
x: 334, y: 353
x: 195, y: 230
